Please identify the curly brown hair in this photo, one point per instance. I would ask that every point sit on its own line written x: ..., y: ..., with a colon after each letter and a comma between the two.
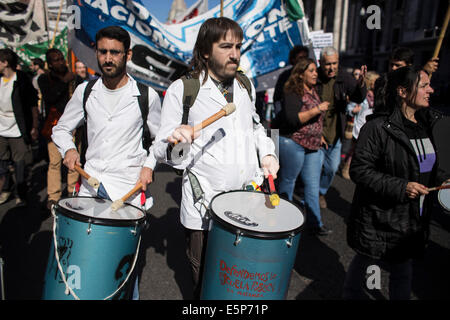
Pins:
x: 295, y: 84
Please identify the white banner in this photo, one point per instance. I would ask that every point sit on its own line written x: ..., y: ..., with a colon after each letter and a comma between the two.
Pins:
x: 22, y: 22
x: 161, y: 53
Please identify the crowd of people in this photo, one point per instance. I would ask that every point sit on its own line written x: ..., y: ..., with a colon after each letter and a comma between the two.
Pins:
x: 99, y: 123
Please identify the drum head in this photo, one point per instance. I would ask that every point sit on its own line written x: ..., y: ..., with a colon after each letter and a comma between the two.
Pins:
x: 252, y: 213
x: 98, y: 211
x: 444, y: 198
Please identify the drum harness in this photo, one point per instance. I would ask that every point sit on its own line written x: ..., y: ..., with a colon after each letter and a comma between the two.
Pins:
x: 61, y: 271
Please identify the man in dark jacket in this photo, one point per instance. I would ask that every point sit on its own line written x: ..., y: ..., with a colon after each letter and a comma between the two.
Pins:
x: 335, y: 85
x: 56, y: 87
x: 18, y: 121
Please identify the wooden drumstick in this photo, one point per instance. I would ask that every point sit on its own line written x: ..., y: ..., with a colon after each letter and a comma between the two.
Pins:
x: 447, y: 186
x: 93, y: 182
x: 117, y: 204
x: 225, y: 111
x: 442, y: 34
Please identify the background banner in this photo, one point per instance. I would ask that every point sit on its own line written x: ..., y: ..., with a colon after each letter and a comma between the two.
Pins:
x: 161, y: 52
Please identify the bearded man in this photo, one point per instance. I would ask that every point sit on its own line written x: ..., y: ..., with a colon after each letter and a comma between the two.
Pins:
x: 226, y: 154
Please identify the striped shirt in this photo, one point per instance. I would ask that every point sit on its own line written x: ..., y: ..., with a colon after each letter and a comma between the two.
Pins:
x: 423, y: 147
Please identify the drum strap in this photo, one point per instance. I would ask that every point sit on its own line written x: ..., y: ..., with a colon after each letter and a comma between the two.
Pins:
x: 197, y: 190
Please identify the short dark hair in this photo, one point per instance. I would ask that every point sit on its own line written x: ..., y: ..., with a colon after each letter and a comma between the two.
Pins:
x: 6, y: 54
x: 39, y: 62
x: 403, y: 54
x: 114, y: 32
x: 295, y: 51
x: 51, y: 51
x: 211, y: 31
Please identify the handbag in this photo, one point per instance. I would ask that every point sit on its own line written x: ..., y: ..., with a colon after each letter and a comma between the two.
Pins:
x: 50, y: 122
x: 348, y: 133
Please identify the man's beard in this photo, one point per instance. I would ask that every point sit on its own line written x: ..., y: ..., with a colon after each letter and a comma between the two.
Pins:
x: 118, y: 70
x: 219, y: 69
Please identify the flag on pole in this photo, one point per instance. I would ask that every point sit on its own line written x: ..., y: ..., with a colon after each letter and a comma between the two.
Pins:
x: 294, y: 10
x: 198, y: 8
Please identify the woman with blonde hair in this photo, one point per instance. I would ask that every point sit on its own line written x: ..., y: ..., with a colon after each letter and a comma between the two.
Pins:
x: 360, y: 112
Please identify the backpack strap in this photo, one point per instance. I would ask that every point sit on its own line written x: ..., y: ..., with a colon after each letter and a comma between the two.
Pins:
x: 143, y: 105
x: 243, y: 80
x: 87, y: 92
x: 191, y: 87
x: 83, y: 134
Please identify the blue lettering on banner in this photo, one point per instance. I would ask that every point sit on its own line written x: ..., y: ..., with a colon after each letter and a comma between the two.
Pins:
x: 268, y: 35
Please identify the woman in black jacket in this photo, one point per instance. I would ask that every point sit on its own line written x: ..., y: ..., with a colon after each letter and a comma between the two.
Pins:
x: 395, y: 160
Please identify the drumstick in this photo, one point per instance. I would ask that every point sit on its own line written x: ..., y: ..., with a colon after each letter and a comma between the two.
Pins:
x: 274, y: 197
x: 91, y: 180
x: 117, y: 204
x: 442, y: 34
x: 225, y: 111
x: 447, y: 186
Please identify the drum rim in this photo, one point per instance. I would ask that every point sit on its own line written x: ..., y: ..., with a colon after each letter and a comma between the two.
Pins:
x: 252, y: 233
x: 440, y: 201
x: 96, y: 220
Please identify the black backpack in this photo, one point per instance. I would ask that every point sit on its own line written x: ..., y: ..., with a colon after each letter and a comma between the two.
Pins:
x: 143, y: 106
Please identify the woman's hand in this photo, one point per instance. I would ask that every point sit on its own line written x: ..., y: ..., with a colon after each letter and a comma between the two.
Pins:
x: 323, y: 106
x: 415, y: 189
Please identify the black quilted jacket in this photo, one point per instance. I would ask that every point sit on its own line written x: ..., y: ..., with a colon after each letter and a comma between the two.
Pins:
x: 384, y: 223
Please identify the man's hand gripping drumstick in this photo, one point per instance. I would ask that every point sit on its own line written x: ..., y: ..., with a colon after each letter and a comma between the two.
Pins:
x: 72, y: 161
x: 145, y: 178
x: 185, y: 133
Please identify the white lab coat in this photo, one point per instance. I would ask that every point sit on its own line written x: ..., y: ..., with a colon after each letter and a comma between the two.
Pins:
x: 115, y: 155
x: 221, y: 165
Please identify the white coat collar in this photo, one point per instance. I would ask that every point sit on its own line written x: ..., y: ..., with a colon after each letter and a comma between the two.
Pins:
x: 135, y: 91
x: 215, y: 93
x: 124, y: 101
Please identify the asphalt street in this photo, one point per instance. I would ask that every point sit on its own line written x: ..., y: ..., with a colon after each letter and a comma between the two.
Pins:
x: 318, y: 274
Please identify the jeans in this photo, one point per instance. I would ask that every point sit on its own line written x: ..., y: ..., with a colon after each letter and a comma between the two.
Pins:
x: 101, y: 193
x: 295, y: 160
x: 195, y: 251
x: 400, y: 278
x: 330, y: 160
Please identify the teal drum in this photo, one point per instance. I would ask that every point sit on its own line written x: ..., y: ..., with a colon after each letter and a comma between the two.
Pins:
x: 251, y: 247
x: 96, y: 250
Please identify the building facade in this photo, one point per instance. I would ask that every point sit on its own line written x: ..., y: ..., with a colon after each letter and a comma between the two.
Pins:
x: 415, y: 24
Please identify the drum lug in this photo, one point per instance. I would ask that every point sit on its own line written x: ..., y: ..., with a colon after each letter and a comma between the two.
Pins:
x: 238, y: 238
x: 89, y: 229
x: 289, y: 241
x: 134, y: 232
